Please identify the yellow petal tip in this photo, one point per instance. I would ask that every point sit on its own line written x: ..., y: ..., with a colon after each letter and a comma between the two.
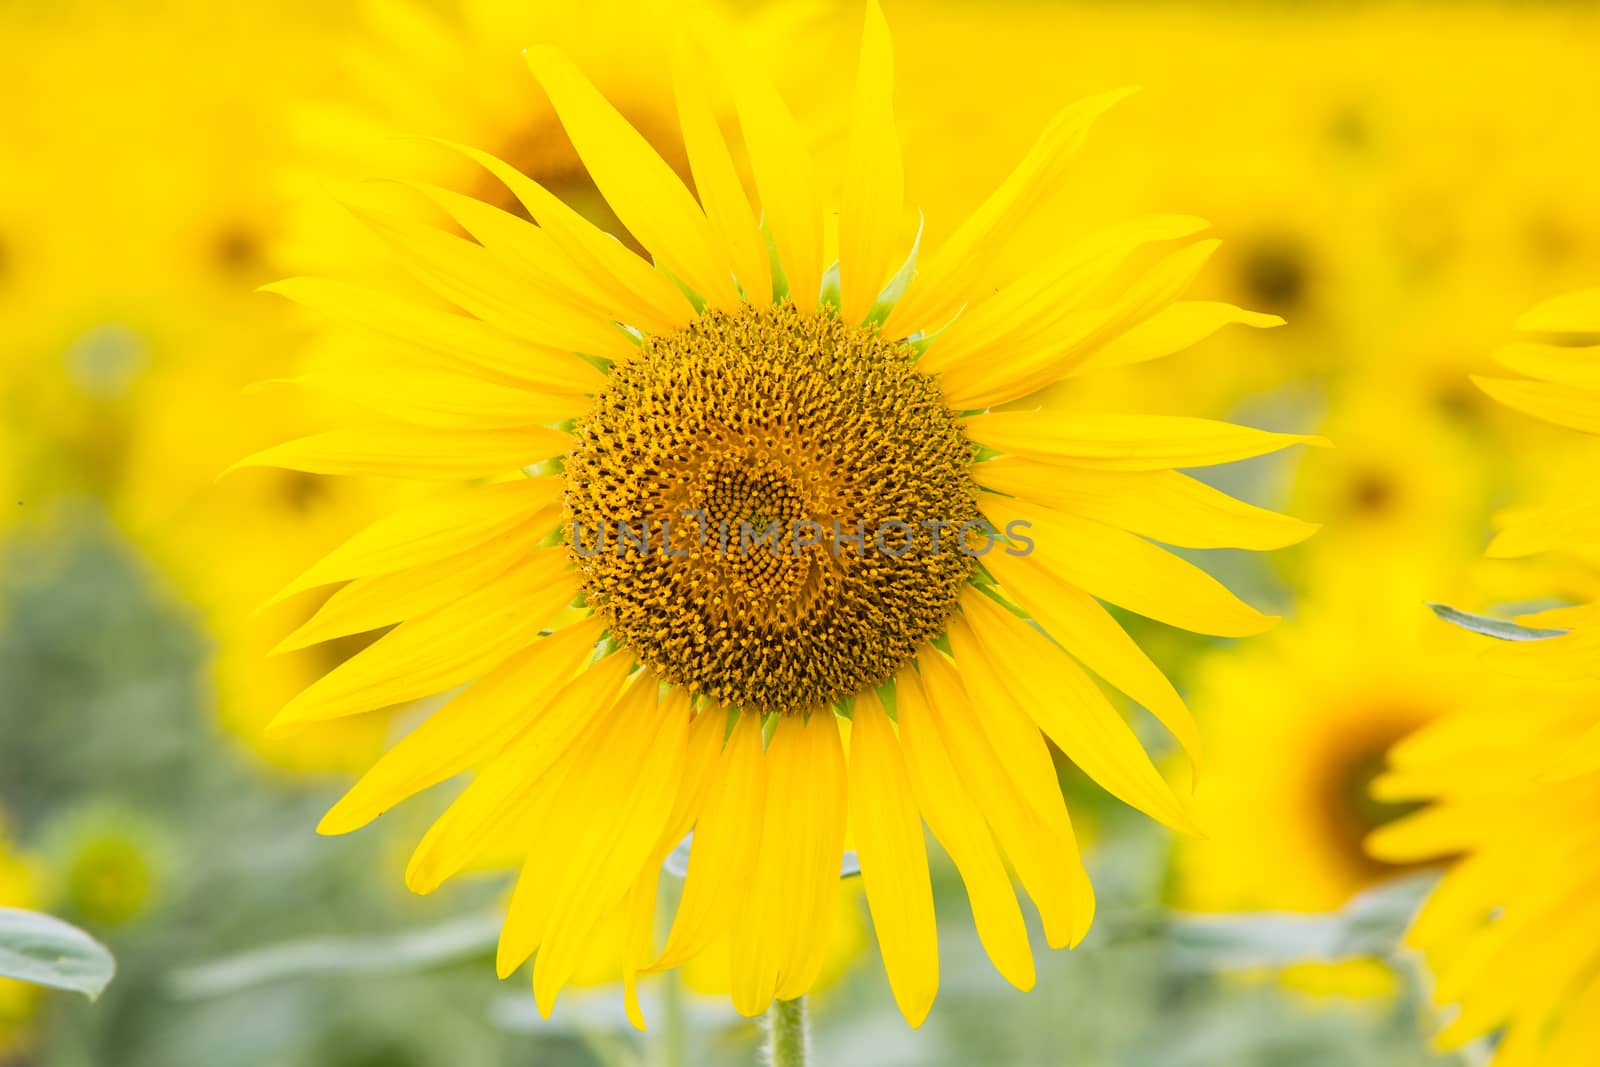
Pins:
x: 282, y: 726
x: 421, y: 878
x: 916, y: 1014
x: 338, y: 822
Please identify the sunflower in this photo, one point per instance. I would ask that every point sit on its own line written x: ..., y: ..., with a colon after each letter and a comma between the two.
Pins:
x: 114, y: 308
x: 1512, y: 932
x: 1405, y: 482
x: 1298, y: 726
x: 722, y: 502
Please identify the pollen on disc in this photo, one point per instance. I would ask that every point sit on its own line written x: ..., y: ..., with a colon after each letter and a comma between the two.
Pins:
x: 757, y: 420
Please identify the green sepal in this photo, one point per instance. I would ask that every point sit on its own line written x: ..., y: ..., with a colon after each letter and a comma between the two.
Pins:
x: 695, y: 299
x: 919, y: 342
x: 891, y: 294
x: 829, y: 294
x: 1503, y: 629
x: 886, y: 696
x: 780, y: 280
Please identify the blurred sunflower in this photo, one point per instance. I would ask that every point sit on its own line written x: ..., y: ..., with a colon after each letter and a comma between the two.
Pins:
x: 619, y: 699
x: 1298, y: 726
x: 1405, y: 481
x: 108, y: 864
x: 105, y: 296
x: 1512, y: 932
x: 1391, y: 210
x: 115, y: 309
x: 411, y: 71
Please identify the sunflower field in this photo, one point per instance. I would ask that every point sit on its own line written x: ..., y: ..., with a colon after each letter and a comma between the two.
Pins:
x: 651, y: 533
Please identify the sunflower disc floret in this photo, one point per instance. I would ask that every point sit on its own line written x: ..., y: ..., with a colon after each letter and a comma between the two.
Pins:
x: 766, y: 507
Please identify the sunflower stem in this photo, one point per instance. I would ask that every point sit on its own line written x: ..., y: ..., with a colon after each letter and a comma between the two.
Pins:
x: 672, y: 1019
x: 788, y: 1033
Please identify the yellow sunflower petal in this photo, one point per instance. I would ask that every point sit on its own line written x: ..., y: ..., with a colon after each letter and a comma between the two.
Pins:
x: 621, y: 805
x: 873, y: 199
x: 1084, y: 627
x: 726, y: 838
x: 443, y: 400
x: 384, y: 599
x: 553, y: 806
x: 528, y: 910
x: 1577, y: 312
x: 785, y: 177
x: 541, y: 267
x: 1128, y: 571
x: 961, y: 266
x: 705, y: 743
x: 706, y: 731
x: 982, y: 382
x: 952, y: 815
x: 435, y: 652
x: 444, y: 525
x: 1042, y: 850
x: 1125, y: 442
x: 1013, y: 662
x: 887, y: 831
x: 1574, y: 1041
x: 1525, y: 532
x: 645, y: 193
x: 639, y: 917
x: 1044, y: 306
x: 638, y: 294
x: 1577, y: 366
x: 1162, y: 505
x: 476, y: 281
x: 467, y: 339
x: 715, y: 178
x: 816, y: 837
x: 401, y: 451
x: 1428, y: 833
x: 1529, y: 978
x: 1172, y: 329
x: 1551, y: 402
x: 1014, y: 737
x: 469, y: 730
x: 1457, y: 903
x: 502, y: 789
x: 783, y: 930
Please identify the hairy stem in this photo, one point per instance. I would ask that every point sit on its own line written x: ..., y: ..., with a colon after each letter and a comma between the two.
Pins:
x: 788, y: 1033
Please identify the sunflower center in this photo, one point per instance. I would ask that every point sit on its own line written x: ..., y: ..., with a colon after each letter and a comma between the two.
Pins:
x: 766, y: 507
x: 1352, y: 810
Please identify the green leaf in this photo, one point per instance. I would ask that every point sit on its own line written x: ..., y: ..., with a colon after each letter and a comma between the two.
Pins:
x: 45, y: 951
x: 465, y: 937
x: 1370, y: 926
x: 1503, y: 629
